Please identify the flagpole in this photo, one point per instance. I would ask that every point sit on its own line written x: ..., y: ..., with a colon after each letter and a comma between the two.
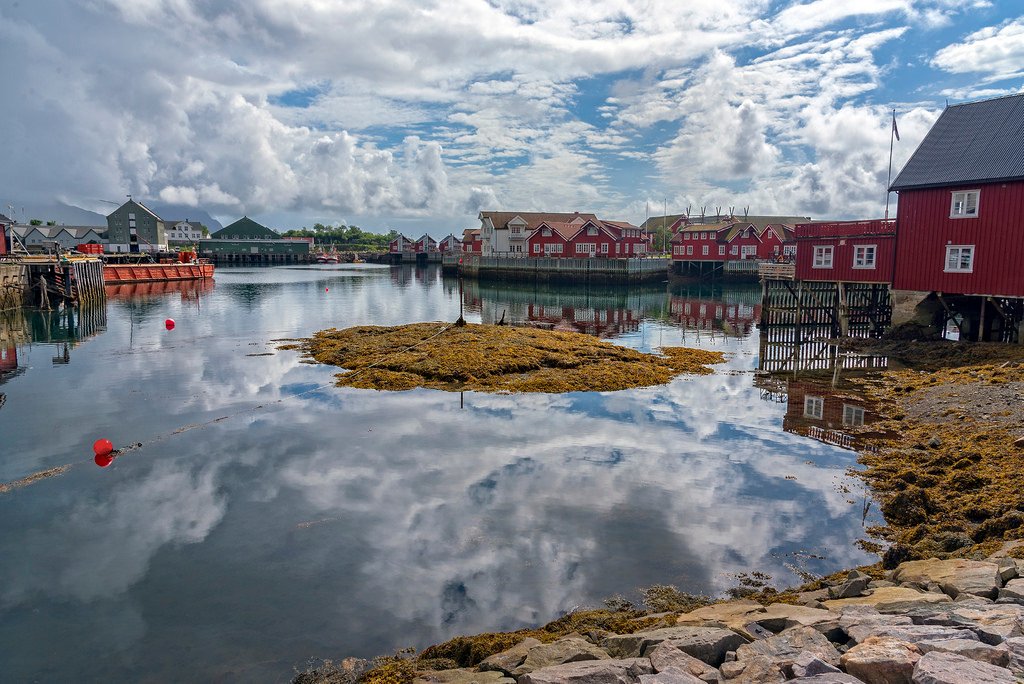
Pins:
x: 888, y: 182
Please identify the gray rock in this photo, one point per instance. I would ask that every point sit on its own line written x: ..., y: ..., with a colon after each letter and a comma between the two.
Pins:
x: 709, y: 644
x: 1007, y: 569
x: 666, y: 656
x: 462, y: 676
x: 670, y: 676
x: 813, y: 598
x: 910, y: 633
x: 852, y: 615
x: 784, y: 649
x: 948, y: 668
x: 828, y: 678
x: 1014, y: 589
x: 509, y: 660
x: 625, y: 671
x: 878, y: 584
x: 849, y: 588
x: 881, y: 660
x: 992, y: 623
x: 970, y: 648
x: 1016, y: 647
x: 569, y: 649
x: 782, y: 616
x: 807, y: 665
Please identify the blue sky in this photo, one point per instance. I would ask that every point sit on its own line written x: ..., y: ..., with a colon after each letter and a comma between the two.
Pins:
x: 416, y: 115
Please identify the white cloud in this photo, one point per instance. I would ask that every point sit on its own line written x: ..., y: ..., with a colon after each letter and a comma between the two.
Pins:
x: 995, y: 51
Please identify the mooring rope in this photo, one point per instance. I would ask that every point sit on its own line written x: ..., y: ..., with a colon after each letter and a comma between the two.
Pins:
x: 138, y: 446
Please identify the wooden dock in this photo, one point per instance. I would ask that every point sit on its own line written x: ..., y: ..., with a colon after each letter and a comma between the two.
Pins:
x: 66, y: 279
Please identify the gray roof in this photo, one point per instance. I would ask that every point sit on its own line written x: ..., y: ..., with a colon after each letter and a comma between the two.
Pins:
x: 4, y: 220
x: 974, y: 142
x: 53, y: 231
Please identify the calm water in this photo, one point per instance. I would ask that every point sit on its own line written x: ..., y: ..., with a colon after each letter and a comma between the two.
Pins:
x: 334, y: 522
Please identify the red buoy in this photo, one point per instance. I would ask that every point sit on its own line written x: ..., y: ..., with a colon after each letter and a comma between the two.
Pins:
x: 169, y: 324
x: 103, y: 460
x: 102, y: 447
x: 327, y: 289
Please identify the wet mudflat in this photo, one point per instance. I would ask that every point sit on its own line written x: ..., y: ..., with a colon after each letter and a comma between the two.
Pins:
x: 270, y: 516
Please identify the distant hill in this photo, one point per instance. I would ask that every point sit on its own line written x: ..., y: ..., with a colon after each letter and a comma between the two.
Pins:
x: 68, y: 215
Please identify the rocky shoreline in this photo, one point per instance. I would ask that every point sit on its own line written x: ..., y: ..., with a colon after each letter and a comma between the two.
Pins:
x: 945, y: 604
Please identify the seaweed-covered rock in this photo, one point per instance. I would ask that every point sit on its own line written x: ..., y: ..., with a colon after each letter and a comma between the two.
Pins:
x: 569, y: 649
x: 510, y: 659
x: 462, y: 676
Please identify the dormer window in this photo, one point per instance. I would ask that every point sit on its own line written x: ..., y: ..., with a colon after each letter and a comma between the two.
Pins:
x: 591, y: 230
x: 964, y: 204
x: 546, y: 232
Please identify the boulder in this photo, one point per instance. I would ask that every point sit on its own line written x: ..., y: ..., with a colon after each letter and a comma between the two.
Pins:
x: 881, y: 660
x: 807, y: 665
x: 509, y: 660
x: 948, y: 668
x: 1014, y: 589
x: 666, y: 656
x: 1016, y: 647
x: 670, y: 676
x: 755, y: 670
x: 729, y: 614
x: 569, y: 649
x: 827, y: 678
x: 462, y: 676
x: 626, y: 671
x: 785, y: 648
x: 910, y: 633
x: 954, y: 575
x: 782, y: 616
x: 993, y: 623
x: 709, y: 644
x: 970, y: 648
x: 889, y: 599
x: 1007, y: 569
x: 856, y: 584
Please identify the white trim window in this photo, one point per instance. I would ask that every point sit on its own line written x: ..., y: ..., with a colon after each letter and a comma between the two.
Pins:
x: 749, y: 251
x: 734, y: 250
x: 964, y: 204
x: 814, y: 407
x: 604, y: 248
x: 704, y: 250
x: 823, y: 256
x: 959, y: 259
x: 864, y: 256
x: 853, y: 415
x: 689, y: 250
x: 721, y: 250
x: 586, y: 248
x: 536, y: 248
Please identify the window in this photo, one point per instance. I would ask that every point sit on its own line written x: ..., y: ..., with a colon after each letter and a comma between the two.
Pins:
x: 704, y: 250
x: 586, y: 248
x: 591, y: 231
x: 853, y: 415
x: 959, y: 258
x: 546, y: 232
x: 734, y: 250
x: 823, y: 256
x: 703, y: 236
x: 864, y: 256
x: 536, y: 248
x: 604, y: 248
x: 516, y: 230
x: 721, y: 250
x: 749, y: 250
x: 964, y: 204
x: 686, y: 236
x: 689, y: 250
x: 814, y: 407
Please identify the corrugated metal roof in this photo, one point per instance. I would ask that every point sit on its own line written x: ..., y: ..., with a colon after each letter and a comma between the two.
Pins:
x: 970, y: 143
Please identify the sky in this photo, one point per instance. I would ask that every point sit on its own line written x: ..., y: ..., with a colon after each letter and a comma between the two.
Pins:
x: 417, y: 114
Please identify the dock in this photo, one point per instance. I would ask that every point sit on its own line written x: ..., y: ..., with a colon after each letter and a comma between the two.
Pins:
x: 581, y: 271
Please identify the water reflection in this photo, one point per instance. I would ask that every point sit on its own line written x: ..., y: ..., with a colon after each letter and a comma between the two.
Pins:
x: 732, y: 311
x: 356, y: 522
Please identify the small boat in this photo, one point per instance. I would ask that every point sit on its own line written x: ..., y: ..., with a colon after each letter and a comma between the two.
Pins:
x: 324, y: 258
x: 358, y: 260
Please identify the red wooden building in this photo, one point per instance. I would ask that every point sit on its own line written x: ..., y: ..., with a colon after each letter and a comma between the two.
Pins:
x: 5, y: 225
x: 732, y: 239
x: 450, y: 245
x: 425, y: 245
x: 846, y: 251
x: 402, y: 245
x: 471, y: 243
x: 961, y: 215
x: 591, y: 238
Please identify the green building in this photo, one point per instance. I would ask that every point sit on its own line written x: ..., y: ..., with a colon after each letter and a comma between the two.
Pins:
x: 134, y: 227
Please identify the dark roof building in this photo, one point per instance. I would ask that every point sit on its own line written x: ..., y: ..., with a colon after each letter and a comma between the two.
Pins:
x: 245, y: 229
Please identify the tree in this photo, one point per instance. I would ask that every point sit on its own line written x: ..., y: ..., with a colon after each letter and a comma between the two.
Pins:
x: 51, y: 223
x: 35, y: 222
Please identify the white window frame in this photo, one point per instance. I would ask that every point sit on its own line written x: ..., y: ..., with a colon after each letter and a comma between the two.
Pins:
x: 820, y: 252
x: 604, y: 248
x: 689, y: 250
x: 704, y: 250
x: 964, y: 204
x: 734, y: 250
x: 960, y: 251
x: 721, y: 250
x: 814, y: 407
x: 749, y: 250
x: 860, y: 260
x: 853, y: 415
x: 536, y: 248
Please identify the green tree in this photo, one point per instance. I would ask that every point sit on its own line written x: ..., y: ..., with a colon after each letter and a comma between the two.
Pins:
x: 51, y: 223
x: 35, y: 222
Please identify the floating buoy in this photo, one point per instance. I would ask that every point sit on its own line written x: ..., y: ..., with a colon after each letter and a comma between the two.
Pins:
x: 103, y: 460
x: 102, y: 447
x: 169, y: 324
x: 327, y: 289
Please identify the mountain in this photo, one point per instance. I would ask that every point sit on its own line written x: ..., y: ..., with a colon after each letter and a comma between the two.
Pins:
x: 181, y: 212
x: 63, y: 214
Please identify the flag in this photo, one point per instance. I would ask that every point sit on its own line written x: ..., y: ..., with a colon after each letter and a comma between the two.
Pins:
x: 895, y: 131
